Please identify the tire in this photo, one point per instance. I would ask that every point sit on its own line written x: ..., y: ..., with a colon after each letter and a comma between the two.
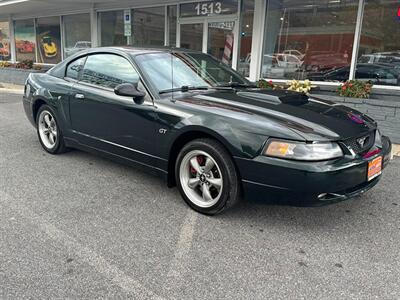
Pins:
x: 47, y: 126
x: 205, y: 165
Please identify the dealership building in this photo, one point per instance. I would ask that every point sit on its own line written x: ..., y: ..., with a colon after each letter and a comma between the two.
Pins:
x: 325, y: 41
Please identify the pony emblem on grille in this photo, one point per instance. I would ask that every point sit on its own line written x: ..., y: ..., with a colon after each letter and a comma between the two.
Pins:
x: 361, y: 141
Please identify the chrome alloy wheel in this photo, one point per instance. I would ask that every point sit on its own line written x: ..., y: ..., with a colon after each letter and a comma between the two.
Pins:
x: 47, y: 129
x: 201, y: 178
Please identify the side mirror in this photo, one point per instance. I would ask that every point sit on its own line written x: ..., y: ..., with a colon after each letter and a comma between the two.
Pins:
x: 130, y: 90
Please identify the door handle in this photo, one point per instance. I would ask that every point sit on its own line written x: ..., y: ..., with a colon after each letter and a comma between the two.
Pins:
x: 80, y: 96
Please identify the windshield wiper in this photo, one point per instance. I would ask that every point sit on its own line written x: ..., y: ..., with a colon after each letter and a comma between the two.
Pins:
x: 184, y: 89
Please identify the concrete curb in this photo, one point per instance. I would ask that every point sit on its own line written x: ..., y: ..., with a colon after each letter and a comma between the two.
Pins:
x: 395, y: 150
x: 12, y: 91
x: 11, y: 88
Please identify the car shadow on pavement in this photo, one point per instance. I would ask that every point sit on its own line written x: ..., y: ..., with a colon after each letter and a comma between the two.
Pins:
x: 259, y: 213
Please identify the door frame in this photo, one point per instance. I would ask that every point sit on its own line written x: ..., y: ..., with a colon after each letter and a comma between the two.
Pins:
x: 213, y: 19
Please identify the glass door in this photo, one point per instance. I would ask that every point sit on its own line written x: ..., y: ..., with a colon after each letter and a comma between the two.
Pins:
x: 221, y: 40
x: 215, y: 36
x: 192, y: 36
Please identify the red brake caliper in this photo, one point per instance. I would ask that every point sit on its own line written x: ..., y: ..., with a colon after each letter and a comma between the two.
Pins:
x: 200, y: 160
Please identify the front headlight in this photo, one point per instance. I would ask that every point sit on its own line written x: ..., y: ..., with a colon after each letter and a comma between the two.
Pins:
x: 302, y: 151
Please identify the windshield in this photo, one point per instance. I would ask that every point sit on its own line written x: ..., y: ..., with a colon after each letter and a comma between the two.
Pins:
x: 168, y: 70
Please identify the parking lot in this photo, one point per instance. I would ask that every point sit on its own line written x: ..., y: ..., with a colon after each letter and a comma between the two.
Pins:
x: 79, y: 226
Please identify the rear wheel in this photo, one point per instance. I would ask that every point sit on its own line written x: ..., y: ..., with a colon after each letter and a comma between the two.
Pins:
x: 206, y: 176
x: 49, y: 133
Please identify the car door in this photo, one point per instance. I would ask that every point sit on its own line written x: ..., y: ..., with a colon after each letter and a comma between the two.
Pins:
x: 103, y: 120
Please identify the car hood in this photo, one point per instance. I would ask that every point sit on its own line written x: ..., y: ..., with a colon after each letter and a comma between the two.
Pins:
x: 312, y: 118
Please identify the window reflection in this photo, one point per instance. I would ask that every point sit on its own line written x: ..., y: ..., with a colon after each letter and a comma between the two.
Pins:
x: 379, y: 52
x: 148, y: 26
x: 25, y: 40
x: 308, y: 39
x: 77, y: 33
x: 108, y: 70
x: 246, y: 37
x: 75, y: 67
x: 172, y: 22
x: 5, y: 53
x: 48, y: 39
x: 112, y: 28
x: 174, y: 70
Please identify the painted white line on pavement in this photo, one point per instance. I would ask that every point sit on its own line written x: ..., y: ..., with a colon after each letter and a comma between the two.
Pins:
x: 180, y: 260
x: 86, y: 255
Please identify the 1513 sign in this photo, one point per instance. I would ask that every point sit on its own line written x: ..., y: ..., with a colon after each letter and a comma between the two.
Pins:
x: 209, y: 8
x: 205, y: 9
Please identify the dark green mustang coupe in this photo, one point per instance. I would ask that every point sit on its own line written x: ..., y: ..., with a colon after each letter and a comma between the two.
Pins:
x: 203, y: 127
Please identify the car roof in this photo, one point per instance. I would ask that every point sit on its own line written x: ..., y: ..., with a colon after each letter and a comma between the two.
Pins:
x: 59, y: 70
x: 142, y: 50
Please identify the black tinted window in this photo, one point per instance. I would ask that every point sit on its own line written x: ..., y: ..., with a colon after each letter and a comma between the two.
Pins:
x: 75, y: 67
x: 365, y: 72
x: 108, y: 70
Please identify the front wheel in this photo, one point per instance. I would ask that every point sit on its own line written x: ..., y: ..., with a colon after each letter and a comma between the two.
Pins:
x: 206, y: 177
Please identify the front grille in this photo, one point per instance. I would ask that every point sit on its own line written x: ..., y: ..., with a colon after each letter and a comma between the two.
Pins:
x: 359, y: 148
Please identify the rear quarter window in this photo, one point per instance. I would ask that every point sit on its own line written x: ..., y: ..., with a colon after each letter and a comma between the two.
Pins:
x: 74, y: 68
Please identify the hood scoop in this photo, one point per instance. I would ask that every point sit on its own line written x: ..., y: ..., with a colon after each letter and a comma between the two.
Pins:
x: 276, y: 98
x: 260, y: 97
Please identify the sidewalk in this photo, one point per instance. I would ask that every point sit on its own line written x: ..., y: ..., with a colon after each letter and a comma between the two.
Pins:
x: 11, y: 88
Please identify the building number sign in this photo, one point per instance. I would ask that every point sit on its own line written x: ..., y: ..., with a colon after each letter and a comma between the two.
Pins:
x: 208, y: 8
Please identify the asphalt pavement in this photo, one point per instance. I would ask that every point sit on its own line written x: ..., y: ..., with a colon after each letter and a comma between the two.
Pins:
x: 81, y: 227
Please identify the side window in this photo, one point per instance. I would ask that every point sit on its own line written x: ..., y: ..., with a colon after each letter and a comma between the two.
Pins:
x: 108, y: 70
x: 74, y: 68
x: 364, y: 73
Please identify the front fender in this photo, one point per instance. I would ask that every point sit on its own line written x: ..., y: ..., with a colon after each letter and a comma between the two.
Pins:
x: 238, y: 142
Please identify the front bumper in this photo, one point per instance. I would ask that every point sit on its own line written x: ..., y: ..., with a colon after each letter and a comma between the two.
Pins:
x: 307, y: 183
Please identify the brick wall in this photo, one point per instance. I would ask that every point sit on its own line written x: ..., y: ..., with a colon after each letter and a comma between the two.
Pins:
x: 385, y: 112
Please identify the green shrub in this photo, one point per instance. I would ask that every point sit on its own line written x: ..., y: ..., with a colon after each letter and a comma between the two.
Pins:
x: 355, y: 89
x: 263, y: 84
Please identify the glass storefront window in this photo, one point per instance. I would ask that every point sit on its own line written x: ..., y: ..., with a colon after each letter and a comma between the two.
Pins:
x: 192, y: 36
x: 309, y: 40
x: 379, y: 52
x: 148, y: 26
x: 246, y: 36
x: 4, y: 41
x: 48, y: 39
x: 77, y: 33
x: 25, y: 40
x: 172, y: 15
x: 111, y: 29
x: 209, y: 8
x: 220, y: 41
